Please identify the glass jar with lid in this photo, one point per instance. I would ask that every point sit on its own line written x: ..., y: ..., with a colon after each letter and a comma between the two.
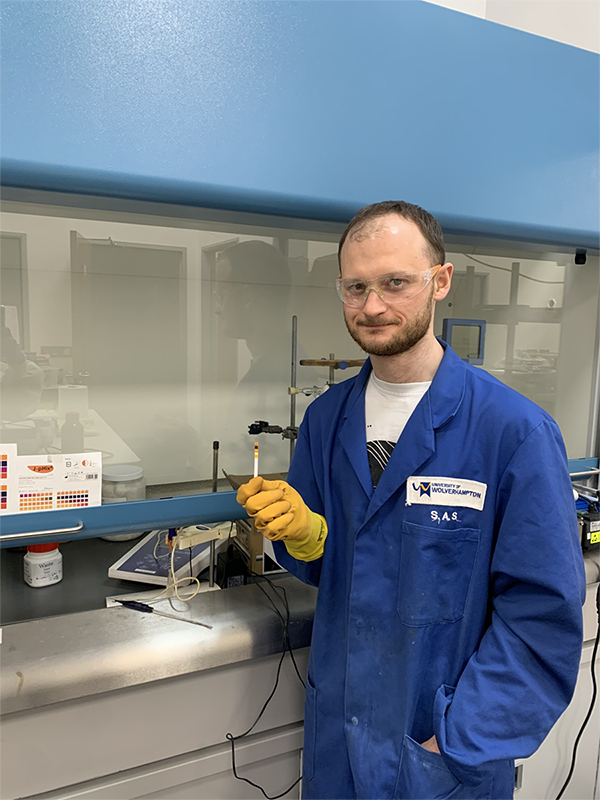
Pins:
x: 122, y: 483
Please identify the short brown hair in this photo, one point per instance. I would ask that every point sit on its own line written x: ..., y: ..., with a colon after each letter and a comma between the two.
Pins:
x: 426, y: 222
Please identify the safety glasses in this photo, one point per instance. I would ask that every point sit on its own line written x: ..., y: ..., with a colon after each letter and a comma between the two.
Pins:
x: 393, y: 288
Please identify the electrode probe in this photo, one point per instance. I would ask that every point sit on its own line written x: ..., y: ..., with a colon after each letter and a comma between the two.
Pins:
x: 137, y: 606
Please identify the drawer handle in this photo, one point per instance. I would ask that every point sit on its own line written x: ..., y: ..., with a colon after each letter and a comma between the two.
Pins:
x: 30, y: 534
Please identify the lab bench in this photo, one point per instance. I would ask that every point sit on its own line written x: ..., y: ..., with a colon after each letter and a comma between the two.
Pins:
x: 114, y: 704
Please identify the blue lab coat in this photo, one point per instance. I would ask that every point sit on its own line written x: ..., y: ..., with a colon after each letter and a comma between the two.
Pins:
x: 460, y: 620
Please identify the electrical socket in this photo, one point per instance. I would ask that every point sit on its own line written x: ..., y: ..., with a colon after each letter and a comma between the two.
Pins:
x: 198, y: 534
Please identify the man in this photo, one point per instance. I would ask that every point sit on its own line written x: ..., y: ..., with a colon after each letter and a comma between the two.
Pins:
x: 432, y: 507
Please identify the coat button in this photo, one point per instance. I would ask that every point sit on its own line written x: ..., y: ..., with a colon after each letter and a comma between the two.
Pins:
x: 354, y: 721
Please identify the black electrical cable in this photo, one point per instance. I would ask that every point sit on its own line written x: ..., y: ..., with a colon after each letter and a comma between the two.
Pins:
x: 226, y: 559
x: 233, y: 739
x: 287, y: 648
x: 591, y: 708
x: 285, y: 623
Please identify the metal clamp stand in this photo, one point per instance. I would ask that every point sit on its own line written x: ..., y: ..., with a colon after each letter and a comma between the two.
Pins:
x: 291, y: 432
x: 211, y: 567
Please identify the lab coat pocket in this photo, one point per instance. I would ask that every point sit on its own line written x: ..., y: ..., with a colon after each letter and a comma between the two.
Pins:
x: 436, y: 566
x: 310, y: 731
x: 424, y: 775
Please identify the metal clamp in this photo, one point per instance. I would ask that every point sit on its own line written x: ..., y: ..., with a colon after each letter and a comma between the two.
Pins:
x: 30, y: 534
x: 308, y: 391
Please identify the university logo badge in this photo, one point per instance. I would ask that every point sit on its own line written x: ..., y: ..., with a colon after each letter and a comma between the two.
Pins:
x: 445, y: 492
x: 423, y: 488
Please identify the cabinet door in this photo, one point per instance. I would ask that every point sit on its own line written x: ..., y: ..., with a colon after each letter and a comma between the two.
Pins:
x: 546, y: 770
x: 270, y: 773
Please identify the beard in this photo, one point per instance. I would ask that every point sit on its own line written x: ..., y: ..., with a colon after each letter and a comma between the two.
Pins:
x: 405, y: 338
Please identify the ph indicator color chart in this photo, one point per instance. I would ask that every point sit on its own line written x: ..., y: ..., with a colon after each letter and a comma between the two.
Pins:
x: 59, y: 481
x: 9, y: 499
x: 76, y: 498
x: 48, y: 482
x: 35, y: 501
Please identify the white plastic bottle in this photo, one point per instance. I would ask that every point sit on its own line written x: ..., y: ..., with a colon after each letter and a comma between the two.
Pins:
x: 42, y: 564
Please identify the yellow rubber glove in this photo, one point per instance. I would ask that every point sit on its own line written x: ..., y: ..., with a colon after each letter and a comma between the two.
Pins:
x: 281, y: 514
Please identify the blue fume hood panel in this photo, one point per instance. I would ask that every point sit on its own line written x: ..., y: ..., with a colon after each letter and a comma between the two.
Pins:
x: 305, y: 110
x: 116, y: 518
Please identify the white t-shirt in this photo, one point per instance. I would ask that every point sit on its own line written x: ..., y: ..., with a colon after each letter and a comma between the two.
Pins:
x: 388, y: 407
